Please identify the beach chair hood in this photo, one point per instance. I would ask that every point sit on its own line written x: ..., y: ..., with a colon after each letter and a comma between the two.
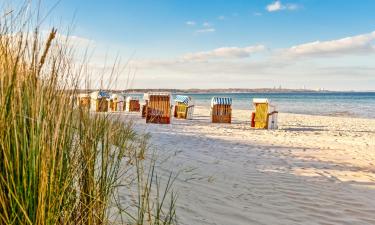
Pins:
x: 99, y: 94
x: 119, y: 98
x: 183, y: 99
x: 260, y: 100
x: 221, y: 101
x: 264, y: 101
x: 160, y: 94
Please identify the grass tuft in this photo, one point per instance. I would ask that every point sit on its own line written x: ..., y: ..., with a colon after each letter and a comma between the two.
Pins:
x: 60, y: 164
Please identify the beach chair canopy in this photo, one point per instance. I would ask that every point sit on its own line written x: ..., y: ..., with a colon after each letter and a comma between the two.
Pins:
x: 99, y: 94
x: 264, y: 101
x: 118, y: 97
x: 260, y: 100
x: 159, y: 94
x: 221, y: 101
x: 183, y: 99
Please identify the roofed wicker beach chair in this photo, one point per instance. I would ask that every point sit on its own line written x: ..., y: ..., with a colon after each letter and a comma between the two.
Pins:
x: 132, y: 104
x: 184, y: 107
x: 83, y: 101
x: 144, y: 106
x: 221, y: 110
x: 116, y: 103
x: 99, y: 101
x: 265, y: 115
x: 158, y: 109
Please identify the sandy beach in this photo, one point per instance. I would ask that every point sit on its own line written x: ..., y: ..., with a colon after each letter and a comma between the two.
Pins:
x: 312, y: 170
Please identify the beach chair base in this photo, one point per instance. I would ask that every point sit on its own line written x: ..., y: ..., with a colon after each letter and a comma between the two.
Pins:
x: 158, y: 120
x: 221, y: 119
x: 156, y: 116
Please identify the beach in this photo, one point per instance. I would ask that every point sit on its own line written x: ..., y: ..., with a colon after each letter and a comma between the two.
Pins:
x: 312, y: 170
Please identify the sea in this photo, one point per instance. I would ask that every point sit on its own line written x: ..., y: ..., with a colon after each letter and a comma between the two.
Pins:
x: 343, y: 104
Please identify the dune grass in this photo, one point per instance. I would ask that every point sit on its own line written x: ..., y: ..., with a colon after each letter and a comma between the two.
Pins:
x: 60, y: 164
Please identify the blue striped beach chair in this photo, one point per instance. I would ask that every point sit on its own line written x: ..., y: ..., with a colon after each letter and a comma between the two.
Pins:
x: 184, y: 107
x: 221, y: 110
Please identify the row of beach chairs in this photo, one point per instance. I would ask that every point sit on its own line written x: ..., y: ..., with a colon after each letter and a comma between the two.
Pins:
x: 100, y: 101
x: 158, y: 107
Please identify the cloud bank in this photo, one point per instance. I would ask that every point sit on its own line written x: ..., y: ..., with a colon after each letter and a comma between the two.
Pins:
x: 224, y: 52
x: 363, y: 43
x: 345, y: 59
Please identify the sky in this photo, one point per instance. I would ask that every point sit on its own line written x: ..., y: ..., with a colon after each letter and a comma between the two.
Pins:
x: 225, y: 44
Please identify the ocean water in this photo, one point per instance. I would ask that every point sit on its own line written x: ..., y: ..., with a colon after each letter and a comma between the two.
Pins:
x: 346, y: 104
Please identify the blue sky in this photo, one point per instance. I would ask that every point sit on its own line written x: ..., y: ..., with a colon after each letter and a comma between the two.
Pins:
x: 237, y: 43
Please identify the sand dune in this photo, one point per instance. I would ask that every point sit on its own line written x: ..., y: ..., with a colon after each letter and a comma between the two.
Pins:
x: 313, y: 170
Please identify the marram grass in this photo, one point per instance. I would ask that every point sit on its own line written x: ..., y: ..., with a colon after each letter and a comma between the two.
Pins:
x: 60, y: 164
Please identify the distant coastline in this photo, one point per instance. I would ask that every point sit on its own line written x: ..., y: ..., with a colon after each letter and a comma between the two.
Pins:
x: 214, y: 90
x: 222, y: 90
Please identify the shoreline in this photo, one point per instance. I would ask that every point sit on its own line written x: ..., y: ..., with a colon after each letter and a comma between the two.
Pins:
x: 227, y: 91
x: 345, y: 115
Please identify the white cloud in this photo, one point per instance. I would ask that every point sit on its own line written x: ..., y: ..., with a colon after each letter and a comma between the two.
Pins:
x: 363, y: 43
x: 190, y: 23
x: 277, y: 6
x: 206, y: 30
x: 257, y: 14
x: 221, y: 18
x: 224, y: 52
x: 201, y: 57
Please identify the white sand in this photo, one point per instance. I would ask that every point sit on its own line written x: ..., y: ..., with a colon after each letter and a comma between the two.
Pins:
x: 313, y: 170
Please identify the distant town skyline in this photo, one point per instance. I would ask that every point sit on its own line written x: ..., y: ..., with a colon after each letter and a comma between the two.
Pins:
x: 226, y: 44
